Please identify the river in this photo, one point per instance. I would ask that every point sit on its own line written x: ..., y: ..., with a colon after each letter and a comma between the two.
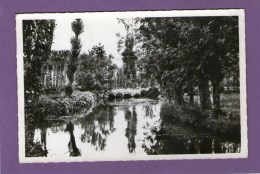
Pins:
x: 129, y: 127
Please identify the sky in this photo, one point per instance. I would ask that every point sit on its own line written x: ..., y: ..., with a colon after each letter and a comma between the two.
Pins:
x: 96, y: 30
x: 102, y: 27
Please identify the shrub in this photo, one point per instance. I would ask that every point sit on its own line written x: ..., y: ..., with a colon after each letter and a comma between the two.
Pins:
x: 111, y: 96
x: 143, y: 93
x: 136, y: 95
x: 49, y: 107
x: 119, y: 95
x: 127, y: 96
x: 153, y: 92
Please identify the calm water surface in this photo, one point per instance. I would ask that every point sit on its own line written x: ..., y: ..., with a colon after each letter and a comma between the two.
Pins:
x: 131, y: 127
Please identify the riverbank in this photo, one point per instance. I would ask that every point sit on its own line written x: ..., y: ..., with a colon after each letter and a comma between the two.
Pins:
x: 50, y: 107
x: 227, y: 125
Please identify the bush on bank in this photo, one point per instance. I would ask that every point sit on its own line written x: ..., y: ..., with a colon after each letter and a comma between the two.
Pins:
x: 47, y: 106
x: 153, y: 93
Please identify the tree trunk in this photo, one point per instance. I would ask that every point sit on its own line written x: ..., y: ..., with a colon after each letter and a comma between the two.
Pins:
x: 216, y: 99
x: 179, y: 95
x: 236, y: 85
x: 191, y: 93
x: 68, y: 89
x: 204, y: 94
x: 228, y: 83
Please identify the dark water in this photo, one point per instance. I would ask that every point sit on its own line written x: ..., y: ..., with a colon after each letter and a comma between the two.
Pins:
x: 132, y: 127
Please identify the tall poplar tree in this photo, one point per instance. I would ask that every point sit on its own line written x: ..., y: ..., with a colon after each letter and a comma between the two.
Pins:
x: 78, y: 28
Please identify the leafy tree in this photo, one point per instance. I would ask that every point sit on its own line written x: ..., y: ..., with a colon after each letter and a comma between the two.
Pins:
x: 96, y: 72
x: 217, y: 48
x: 37, y: 41
x: 129, y: 60
x: 78, y: 28
x: 183, y: 53
x: 163, y: 54
x: 128, y: 54
x: 223, y: 53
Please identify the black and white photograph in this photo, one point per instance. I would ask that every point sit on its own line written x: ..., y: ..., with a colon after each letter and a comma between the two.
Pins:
x: 140, y: 85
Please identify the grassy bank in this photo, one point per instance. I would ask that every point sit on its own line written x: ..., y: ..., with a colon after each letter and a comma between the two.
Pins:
x: 228, y: 124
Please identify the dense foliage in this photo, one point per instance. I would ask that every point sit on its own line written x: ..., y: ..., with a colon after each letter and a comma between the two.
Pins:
x: 48, y: 107
x: 184, y: 53
x: 96, y: 71
x: 37, y: 41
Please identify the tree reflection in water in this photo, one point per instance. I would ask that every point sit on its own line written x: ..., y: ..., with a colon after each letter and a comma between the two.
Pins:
x: 74, y: 151
x: 40, y: 135
x: 43, y: 140
x: 38, y: 143
x: 149, y: 110
x: 140, y: 125
x: 131, y: 118
x: 97, y: 126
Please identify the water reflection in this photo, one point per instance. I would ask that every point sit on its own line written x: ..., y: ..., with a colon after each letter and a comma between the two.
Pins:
x: 43, y: 140
x: 40, y: 141
x: 149, y: 110
x: 73, y: 149
x: 130, y: 132
x: 132, y: 127
x: 97, y: 126
x: 163, y: 142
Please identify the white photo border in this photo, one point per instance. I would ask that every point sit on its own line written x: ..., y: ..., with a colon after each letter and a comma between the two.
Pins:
x: 130, y: 14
